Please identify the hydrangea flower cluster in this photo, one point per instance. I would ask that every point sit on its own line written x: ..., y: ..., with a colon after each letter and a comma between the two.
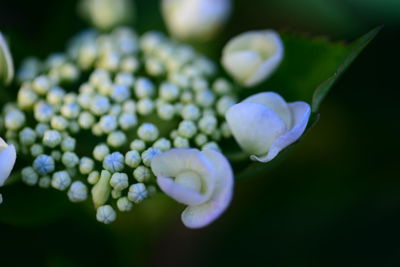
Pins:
x: 90, y: 121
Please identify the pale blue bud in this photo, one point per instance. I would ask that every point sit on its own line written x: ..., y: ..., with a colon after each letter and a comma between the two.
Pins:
x: 124, y: 78
x: 100, y: 105
x: 14, y: 119
x: 205, y: 98
x: 187, y: 129
x: 190, y: 112
x: 224, y: 103
x: 114, y: 162
x: 148, y: 132
x: 106, y: 214
x: 44, y: 164
x: 108, y: 123
x: 181, y: 142
x: 93, y: 177
x: 56, y: 155
x: 138, y: 145
x: 59, y: 123
x: 144, y: 88
x: 169, y: 91
x: 162, y: 144
x: 221, y: 86
x: 86, y: 120
x: 137, y: 192
x: 149, y: 154
x: 68, y: 144
x: 41, y: 128
x: 41, y: 84
x: 100, y: 152
x: 36, y: 150
x: 132, y: 158
x: 26, y: 98
x: 120, y: 93
x: 55, y: 96
x: 142, y: 174
x: 27, y: 136
x: 166, y: 111
x: 208, y: 124
x: 43, y: 112
x: 124, y: 204
x: 29, y: 176
x: 129, y: 106
x: 116, y: 139
x: 77, y: 192
x: 127, y: 121
x: 70, y: 159
x: 200, y: 139
x: 86, y: 165
x: 61, y: 180
x: 129, y: 64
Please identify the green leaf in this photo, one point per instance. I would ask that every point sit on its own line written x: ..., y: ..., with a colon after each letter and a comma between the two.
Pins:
x: 355, y: 49
x: 309, y: 70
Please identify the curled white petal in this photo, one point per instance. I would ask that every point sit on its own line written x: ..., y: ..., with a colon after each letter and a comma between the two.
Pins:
x: 203, y: 180
x: 301, y: 112
x: 195, y: 19
x: 7, y: 160
x: 264, y: 124
x: 174, y: 162
x: 254, y: 126
x: 204, y: 214
x: 253, y: 56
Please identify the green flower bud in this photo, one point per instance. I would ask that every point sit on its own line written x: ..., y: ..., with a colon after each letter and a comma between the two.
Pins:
x: 36, y: 150
x: 26, y: 98
x: 187, y: 129
x: 124, y: 204
x: 44, y: 182
x: 138, y: 145
x: 162, y: 144
x: 59, y: 123
x: 142, y: 174
x: 108, y: 123
x: 86, y: 165
x: 86, y: 120
x: 208, y: 124
x: 43, y: 112
x: 52, y: 138
x: 119, y: 181
x: 101, y: 191
x: 14, y: 119
x: 68, y: 144
x: 129, y: 106
x: 100, y: 152
x: 93, y: 177
x: 127, y: 121
x: 169, y: 91
x: 124, y: 78
x: 181, y: 142
x: 149, y: 154
x: 41, y: 85
x: 145, y: 106
x: 55, y: 96
x: 116, y: 139
x: 166, y: 111
x: 190, y: 112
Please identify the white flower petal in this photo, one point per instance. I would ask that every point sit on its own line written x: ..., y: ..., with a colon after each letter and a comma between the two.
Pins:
x: 301, y: 113
x: 177, y: 161
x: 266, y: 43
x: 275, y: 102
x: 7, y: 160
x: 254, y: 126
x: 180, y: 193
x: 202, y: 215
x: 242, y: 64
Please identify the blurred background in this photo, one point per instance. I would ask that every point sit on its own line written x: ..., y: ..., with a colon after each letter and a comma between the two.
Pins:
x: 333, y: 201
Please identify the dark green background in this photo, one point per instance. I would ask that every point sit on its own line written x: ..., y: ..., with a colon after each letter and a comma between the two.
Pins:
x: 334, y: 201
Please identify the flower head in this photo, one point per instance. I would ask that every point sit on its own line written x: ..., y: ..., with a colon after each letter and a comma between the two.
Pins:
x: 203, y: 180
x: 253, y: 56
x: 264, y: 124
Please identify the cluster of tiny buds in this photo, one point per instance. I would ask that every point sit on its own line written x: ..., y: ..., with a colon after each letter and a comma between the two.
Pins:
x: 143, y: 96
